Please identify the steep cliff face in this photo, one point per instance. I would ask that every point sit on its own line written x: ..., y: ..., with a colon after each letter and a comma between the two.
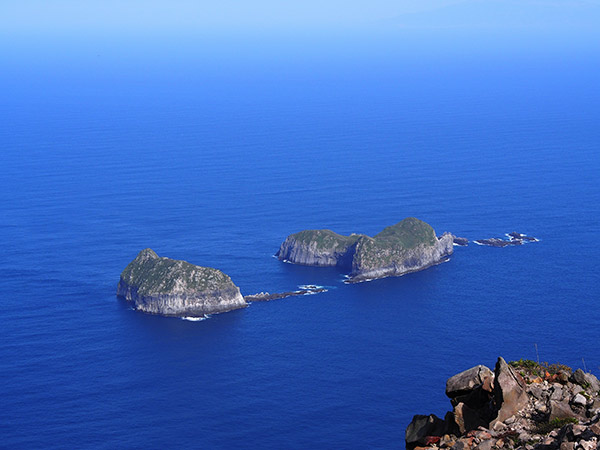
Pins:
x: 318, y: 248
x: 385, y: 258
x: 408, y: 246
x: 177, y: 288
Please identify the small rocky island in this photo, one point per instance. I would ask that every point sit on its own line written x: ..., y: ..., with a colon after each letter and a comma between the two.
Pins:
x: 408, y: 246
x: 177, y: 288
x: 514, y: 238
x: 520, y: 405
x: 308, y: 289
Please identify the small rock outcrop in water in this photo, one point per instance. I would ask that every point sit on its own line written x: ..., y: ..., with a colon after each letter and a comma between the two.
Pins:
x: 406, y: 247
x: 177, y: 288
x: 265, y: 296
x: 461, y: 241
x: 522, y: 405
x: 514, y: 238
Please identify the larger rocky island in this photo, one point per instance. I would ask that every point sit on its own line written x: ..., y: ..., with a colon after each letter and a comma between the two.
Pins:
x: 177, y: 288
x: 408, y: 246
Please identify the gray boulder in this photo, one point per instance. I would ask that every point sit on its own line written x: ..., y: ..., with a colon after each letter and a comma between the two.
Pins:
x: 586, y: 379
x: 579, y: 400
x: 557, y: 393
x: 465, y: 382
x: 561, y: 410
x: 510, y: 391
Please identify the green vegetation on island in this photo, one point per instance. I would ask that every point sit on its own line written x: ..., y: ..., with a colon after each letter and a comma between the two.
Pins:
x: 155, y: 275
x: 171, y: 287
x: 326, y: 239
x: 408, y: 234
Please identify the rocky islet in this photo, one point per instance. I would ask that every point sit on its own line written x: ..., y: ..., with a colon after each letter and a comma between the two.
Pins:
x: 408, y: 246
x: 267, y: 297
x: 169, y: 287
x: 514, y: 238
x: 161, y: 285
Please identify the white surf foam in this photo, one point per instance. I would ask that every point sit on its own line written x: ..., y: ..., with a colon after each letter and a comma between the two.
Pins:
x: 194, y: 319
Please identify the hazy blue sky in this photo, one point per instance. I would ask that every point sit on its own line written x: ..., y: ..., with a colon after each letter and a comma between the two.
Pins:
x: 107, y: 34
x: 233, y: 16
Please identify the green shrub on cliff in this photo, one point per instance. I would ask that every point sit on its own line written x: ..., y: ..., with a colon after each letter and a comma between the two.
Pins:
x: 326, y: 239
x: 547, y: 427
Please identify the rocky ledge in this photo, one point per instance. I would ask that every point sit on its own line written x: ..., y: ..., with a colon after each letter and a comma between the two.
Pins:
x: 514, y: 238
x: 177, y: 288
x: 522, y: 405
x: 460, y: 241
x: 408, y: 246
x: 266, y: 296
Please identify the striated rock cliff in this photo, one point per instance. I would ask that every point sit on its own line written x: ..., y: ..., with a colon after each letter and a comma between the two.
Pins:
x: 177, y: 288
x: 318, y: 248
x: 408, y: 246
x: 521, y: 405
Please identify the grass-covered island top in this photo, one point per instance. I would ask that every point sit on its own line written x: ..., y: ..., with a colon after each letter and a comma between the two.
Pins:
x: 167, y: 286
x: 407, y: 246
x: 160, y: 275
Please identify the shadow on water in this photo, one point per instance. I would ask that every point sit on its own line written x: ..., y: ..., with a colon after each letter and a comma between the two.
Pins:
x: 322, y: 276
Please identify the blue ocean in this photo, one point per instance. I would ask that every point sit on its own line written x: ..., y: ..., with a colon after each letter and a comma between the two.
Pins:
x: 214, y: 157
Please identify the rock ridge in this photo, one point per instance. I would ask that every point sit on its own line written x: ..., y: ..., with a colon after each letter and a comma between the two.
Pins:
x: 303, y: 290
x: 520, y: 405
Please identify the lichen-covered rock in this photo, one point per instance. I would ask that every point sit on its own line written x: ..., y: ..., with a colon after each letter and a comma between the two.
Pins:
x: 177, y: 288
x: 406, y: 247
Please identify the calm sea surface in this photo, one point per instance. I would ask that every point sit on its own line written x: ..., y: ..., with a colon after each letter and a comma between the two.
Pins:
x: 217, y: 165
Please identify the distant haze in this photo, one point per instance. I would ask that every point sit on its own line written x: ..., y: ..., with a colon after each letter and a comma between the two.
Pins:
x: 233, y: 16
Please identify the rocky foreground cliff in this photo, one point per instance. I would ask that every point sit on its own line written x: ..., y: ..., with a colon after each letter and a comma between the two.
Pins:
x: 408, y: 246
x: 522, y: 405
x: 177, y: 288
